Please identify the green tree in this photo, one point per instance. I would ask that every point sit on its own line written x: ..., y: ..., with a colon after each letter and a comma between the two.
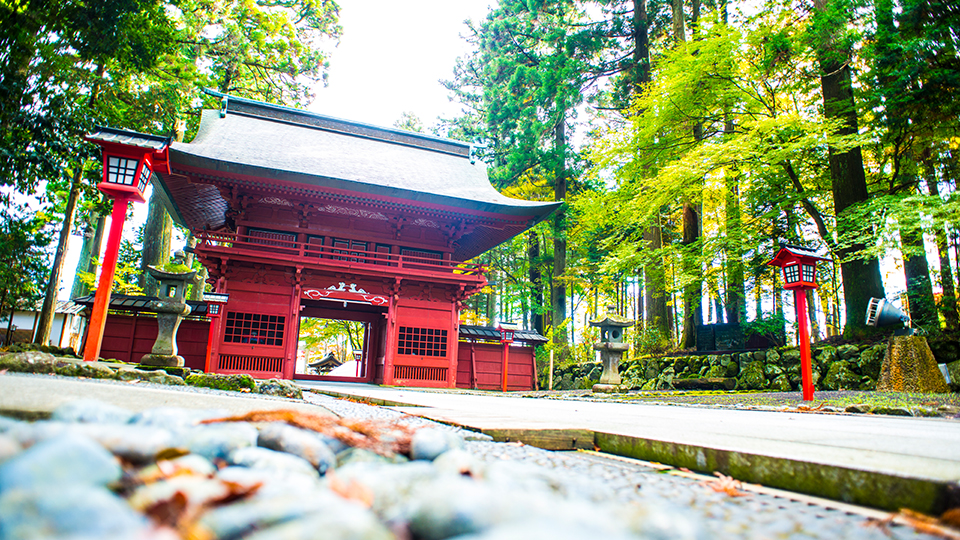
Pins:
x: 23, y: 262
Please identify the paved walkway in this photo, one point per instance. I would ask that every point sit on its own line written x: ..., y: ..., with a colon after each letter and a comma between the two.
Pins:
x: 881, y: 461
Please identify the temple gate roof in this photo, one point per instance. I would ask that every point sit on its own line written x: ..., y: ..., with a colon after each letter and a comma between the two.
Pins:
x: 266, y: 146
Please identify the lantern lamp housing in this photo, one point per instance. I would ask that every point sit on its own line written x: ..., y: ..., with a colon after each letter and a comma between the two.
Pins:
x: 507, y: 331
x: 799, y: 266
x: 129, y: 161
x: 215, y: 303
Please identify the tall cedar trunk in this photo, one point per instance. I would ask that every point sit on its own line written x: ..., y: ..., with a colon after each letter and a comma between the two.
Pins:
x: 657, y: 317
x: 861, y: 277
x: 693, y: 290
x: 89, y: 254
x: 948, y: 303
x: 559, y: 292
x: 812, y: 316
x: 735, y: 283
x: 536, y: 280
x: 916, y: 272
x: 157, y: 233
x: 48, y: 311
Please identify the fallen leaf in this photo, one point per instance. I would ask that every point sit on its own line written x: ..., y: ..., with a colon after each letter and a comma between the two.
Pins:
x: 352, y: 490
x: 951, y: 517
x: 3, y: 371
x: 725, y: 484
x: 921, y: 523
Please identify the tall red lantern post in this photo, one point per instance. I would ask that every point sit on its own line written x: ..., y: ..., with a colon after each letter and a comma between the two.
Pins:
x: 129, y: 160
x: 215, y: 303
x: 507, y: 331
x: 799, y: 266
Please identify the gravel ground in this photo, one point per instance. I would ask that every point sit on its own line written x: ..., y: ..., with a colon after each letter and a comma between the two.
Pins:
x: 263, y: 480
x: 749, y: 516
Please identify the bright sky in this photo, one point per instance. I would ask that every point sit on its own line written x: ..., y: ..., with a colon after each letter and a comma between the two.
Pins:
x: 390, y: 59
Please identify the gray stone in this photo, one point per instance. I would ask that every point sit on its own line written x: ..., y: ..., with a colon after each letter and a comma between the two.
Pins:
x: 871, y: 360
x: 271, y: 483
x: 773, y: 357
x: 781, y: 383
x: 892, y: 411
x: 350, y: 521
x: 867, y: 384
x: 235, y: 520
x: 60, y: 461
x: 428, y: 443
x: 771, y: 371
x: 846, y: 352
x: 858, y: 408
x: 361, y: 455
x: 255, y: 457
x: 176, y: 419
x: 299, y: 442
x: 953, y: 369
x: 752, y: 378
x: 827, y: 355
x: 759, y: 356
x: 9, y: 447
x: 841, y: 377
x: 280, y: 388
x: 454, y: 506
x: 790, y: 357
x: 91, y: 410
x: 136, y: 444
x: 217, y: 441
x: 74, y: 511
x: 731, y: 367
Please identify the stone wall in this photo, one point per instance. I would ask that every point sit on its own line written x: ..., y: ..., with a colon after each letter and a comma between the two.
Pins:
x: 846, y: 367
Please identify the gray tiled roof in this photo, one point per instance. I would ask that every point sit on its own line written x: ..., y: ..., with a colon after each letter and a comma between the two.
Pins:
x: 131, y: 138
x: 280, y: 143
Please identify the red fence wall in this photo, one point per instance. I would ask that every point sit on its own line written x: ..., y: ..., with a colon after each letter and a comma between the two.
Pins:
x: 128, y: 338
x: 488, y: 359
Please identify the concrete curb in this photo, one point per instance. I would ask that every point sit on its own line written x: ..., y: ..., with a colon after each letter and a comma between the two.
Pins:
x: 854, y: 486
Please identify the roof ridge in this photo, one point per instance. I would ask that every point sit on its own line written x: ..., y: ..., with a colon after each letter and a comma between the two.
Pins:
x: 281, y: 113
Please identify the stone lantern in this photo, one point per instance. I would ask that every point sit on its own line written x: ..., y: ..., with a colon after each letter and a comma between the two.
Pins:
x: 611, y: 347
x: 170, y: 308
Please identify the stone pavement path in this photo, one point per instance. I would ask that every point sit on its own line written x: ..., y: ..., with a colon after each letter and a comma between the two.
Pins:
x: 752, y: 513
x: 903, y: 458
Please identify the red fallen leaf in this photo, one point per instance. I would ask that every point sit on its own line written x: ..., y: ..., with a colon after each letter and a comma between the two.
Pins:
x: 352, y: 490
x: 169, y: 511
x: 951, y: 517
x: 725, y: 484
x: 384, y: 438
x: 921, y: 523
x: 3, y: 371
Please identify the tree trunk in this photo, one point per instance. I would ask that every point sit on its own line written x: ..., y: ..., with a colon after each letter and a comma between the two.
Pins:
x: 693, y: 290
x: 47, y: 313
x: 559, y: 293
x: 89, y: 254
x: 916, y: 271
x: 861, y: 277
x: 656, y: 297
x: 157, y: 233
x: 679, y: 23
x: 641, y: 45
x: 536, y: 280
x: 948, y: 303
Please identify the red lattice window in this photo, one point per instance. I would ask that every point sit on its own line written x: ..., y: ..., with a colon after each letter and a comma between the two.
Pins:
x: 254, y: 328
x: 272, y: 238
x: 422, y: 341
x: 422, y: 254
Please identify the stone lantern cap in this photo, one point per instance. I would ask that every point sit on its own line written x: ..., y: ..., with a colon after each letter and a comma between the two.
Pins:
x: 612, y: 319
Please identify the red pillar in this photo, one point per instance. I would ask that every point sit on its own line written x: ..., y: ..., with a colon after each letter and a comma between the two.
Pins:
x: 98, y: 317
x: 800, y: 301
x: 505, y: 359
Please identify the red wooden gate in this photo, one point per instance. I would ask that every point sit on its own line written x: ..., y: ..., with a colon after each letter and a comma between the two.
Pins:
x: 481, y: 364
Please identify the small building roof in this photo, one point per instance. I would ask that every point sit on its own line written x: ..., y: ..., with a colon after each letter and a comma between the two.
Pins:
x: 136, y: 304
x: 492, y: 333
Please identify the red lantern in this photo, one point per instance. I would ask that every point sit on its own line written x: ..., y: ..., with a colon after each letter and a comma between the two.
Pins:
x: 799, y: 266
x: 129, y: 160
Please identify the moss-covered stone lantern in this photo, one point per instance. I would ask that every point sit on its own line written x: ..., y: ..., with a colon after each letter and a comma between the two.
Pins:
x: 170, y: 308
x: 611, y: 347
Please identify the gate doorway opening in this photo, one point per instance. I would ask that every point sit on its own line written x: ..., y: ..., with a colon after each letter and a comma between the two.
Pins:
x: 340, y: 341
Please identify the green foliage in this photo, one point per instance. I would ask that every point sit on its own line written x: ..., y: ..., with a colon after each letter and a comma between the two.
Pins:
x: 770, y: 327
x: 24, y: 265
